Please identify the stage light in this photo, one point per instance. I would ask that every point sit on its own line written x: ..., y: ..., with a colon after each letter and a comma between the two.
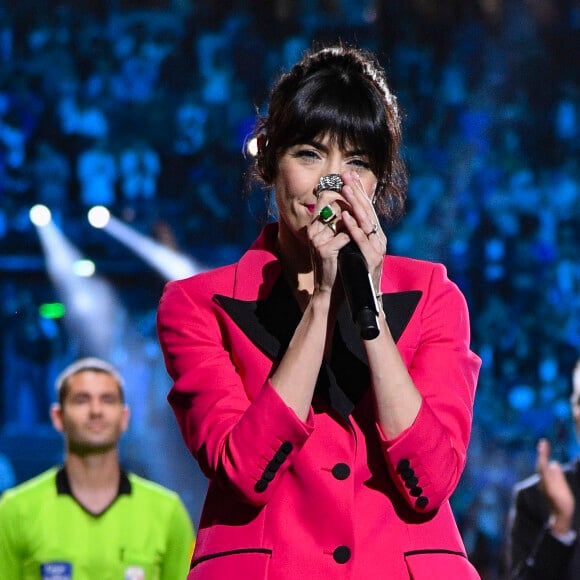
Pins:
x: 52, y: 310
x: 83, y: 268
x: 92, y: 307
x: 99, y: 216
x: 252, y: 146
x: 40, y: 215
x: 170, y: 264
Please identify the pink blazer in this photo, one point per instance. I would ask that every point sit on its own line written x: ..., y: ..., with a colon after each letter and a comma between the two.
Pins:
x: 330, y: 497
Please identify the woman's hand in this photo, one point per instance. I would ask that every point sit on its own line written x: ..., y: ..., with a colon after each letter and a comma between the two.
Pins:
x: 362, y: 225
x: 355, y: 220
x: 326, y: 240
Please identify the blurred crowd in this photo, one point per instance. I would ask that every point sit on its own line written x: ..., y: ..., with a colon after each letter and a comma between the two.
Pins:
x: 145, y: 107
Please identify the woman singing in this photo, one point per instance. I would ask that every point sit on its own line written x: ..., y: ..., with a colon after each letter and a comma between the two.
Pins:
x: 330, y: 452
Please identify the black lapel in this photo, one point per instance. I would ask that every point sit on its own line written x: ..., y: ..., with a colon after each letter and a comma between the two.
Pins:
x: 270, y: 324
x: 398, y: 308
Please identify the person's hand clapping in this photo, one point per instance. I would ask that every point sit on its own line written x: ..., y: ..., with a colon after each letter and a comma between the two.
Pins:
x: 556, y: 489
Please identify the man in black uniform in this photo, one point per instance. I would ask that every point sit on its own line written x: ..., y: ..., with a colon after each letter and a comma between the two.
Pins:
x: 544, y: 521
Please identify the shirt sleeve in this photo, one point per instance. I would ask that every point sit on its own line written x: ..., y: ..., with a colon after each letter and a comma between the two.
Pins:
x: 9, y: 550
x: 533, y: 552
x: 180, y: 544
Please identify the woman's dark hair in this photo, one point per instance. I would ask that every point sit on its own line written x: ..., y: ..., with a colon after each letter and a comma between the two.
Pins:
x: 342, y: 92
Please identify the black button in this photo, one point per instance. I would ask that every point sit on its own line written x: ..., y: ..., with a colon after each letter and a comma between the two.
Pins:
x: 416, y: 491
x: 273, y: 466
x: 407, y: 473
x: 341, y: 555
x: 422, y: 502
x: 280, y: 457
x: 261, y: 485
x: 268, y: 475
x: 341, y: 471
x: 403, y: 464
x: 286, y: 447
x: 411, y: 481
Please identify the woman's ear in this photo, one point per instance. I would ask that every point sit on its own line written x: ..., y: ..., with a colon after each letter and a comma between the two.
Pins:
x: 261, y: 141
x: 262, y: 160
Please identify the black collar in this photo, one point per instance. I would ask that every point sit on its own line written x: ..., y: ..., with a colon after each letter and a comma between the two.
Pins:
x: 270, y: 324
x: 63, y: 488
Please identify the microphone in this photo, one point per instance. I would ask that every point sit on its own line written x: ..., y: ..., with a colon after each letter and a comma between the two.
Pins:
x: 354, y: 273
x: 359, y: 291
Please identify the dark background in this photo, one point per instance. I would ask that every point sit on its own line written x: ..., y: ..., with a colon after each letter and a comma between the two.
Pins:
x: 144, y: 107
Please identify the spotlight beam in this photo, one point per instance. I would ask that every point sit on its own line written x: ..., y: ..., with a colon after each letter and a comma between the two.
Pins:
x: 170, y: 264
x: 91, y: 305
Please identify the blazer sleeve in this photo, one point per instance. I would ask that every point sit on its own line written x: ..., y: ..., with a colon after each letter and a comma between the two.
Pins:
x: 245, y: 443
x: 534, y: 553
x: 444, y: 369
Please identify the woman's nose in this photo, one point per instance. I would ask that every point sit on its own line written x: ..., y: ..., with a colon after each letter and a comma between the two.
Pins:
x: 333, y: 166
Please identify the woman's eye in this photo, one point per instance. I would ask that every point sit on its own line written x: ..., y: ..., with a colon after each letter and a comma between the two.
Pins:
x: 306, y: 154
x: 361, y: 163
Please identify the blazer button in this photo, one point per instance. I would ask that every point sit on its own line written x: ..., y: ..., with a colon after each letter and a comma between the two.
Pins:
x: 341, y: 555
x: 273, y: 466
x: 403, y: 464
x: 341, y: 471
x: 286, y: 447
x: 280, y: 457
x: 261, y: 485
x: 268, y: 475
x: 422, y: 502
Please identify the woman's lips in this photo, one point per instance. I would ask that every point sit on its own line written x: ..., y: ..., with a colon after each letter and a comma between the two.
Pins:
x: 310, y: 207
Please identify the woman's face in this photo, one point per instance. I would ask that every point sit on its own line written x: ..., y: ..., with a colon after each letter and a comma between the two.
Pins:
x: 299, y: 170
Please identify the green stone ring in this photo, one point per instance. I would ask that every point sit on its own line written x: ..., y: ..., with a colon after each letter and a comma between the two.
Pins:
x: 326, y: 214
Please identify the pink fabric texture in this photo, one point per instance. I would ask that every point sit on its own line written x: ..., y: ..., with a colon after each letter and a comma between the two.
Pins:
x: 339, y: 503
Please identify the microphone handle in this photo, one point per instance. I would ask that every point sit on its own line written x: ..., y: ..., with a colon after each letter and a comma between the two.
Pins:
x: 358, y: 289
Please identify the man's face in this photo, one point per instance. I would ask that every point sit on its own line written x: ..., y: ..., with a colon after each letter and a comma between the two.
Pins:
x: 93, y: 415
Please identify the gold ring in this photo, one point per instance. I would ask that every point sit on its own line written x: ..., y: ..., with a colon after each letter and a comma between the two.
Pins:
x: 332, y: 226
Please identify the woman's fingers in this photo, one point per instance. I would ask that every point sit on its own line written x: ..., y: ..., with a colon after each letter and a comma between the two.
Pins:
x: 361, y: 207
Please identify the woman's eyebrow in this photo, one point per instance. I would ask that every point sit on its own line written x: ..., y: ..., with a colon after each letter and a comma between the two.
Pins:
x: 357, y: 152
x: 325, y: 148
x: 316, y: 144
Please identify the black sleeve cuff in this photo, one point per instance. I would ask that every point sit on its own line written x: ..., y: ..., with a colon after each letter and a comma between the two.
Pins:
x: 550, y: 559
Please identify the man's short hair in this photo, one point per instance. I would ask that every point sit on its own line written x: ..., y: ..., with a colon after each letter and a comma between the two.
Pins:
x: 86, y: 364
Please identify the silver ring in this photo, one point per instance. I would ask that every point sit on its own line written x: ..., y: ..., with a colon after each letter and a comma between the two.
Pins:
x: 330, y: 182
x: 373, y: 231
